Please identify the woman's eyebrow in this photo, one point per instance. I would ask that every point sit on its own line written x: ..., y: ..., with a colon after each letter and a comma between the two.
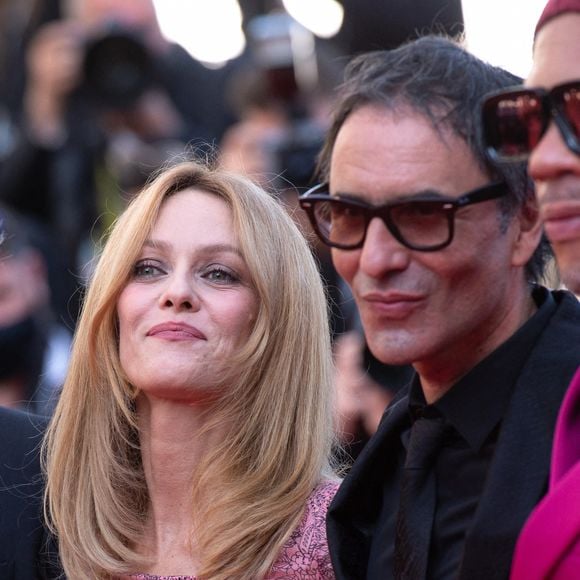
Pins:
x: 206, y: 249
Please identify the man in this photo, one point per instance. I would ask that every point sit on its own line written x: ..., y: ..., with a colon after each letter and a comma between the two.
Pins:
x: 549, y: 545
x: 24, y: 550
x: 34, y: 347
x: 444, y: 279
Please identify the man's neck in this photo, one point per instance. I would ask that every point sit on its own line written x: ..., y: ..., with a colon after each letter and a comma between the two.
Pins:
x: 441, y: 372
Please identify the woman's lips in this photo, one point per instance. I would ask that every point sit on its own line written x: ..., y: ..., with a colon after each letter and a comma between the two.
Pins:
x: 176, y: 331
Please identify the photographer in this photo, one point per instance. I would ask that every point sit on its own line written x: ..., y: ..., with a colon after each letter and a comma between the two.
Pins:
x: 34, y: 348
x: 102, y: 84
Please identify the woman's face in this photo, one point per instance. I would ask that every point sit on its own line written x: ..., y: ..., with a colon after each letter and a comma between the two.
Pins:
x: 189, y: 304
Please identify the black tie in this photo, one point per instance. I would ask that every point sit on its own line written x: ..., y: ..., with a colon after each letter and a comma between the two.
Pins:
x: 417, y: 500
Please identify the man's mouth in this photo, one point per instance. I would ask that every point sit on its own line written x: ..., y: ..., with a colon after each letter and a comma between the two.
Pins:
x: 562, y: 220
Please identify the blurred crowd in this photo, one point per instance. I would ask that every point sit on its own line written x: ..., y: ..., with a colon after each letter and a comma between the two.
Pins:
x: 93, y: 102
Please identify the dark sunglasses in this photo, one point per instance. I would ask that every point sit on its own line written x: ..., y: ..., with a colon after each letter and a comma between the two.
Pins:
x: 515, y: 120
x: 425, y: 224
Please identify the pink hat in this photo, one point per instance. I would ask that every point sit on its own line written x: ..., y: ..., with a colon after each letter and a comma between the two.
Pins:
x: 555, y: 8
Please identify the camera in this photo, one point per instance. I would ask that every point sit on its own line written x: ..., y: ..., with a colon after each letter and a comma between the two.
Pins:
x: 118, y: 68
x: 285, y: 53
x: 294, y: 155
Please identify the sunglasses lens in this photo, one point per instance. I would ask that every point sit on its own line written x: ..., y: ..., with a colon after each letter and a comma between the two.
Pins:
x: 570, y: 106
x: 513, y: 124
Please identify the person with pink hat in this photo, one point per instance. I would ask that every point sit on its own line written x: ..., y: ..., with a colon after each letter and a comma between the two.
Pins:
x: 518, y: 124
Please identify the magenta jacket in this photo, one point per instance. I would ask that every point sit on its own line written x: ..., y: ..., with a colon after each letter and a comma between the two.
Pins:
x: 549, y: 545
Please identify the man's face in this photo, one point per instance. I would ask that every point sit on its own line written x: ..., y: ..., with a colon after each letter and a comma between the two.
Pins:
x: 553, y: 166
x: 442, y: 311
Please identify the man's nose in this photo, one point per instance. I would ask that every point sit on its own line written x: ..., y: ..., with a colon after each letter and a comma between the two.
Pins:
x: 381, y: 252
x: 552, y: 157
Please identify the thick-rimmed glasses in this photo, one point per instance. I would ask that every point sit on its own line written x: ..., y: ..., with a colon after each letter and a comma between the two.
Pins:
x: 423, y: 224
x: 515, y: 120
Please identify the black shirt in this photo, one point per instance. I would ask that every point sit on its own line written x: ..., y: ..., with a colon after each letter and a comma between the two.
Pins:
x: 473, y: 409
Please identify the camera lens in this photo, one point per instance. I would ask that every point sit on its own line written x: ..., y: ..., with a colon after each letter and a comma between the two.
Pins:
x: 118, y: 69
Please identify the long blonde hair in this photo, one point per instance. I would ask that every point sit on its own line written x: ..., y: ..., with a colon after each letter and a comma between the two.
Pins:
x: 250, y: 492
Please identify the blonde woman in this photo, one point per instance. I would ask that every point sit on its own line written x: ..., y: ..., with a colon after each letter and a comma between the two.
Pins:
x: 194, y: 429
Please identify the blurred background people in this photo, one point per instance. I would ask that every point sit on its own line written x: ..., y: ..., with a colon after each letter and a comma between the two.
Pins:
x: 96, y: 99
x: 34, y: 347
x: 201, y: 373
x: 24, y: 552
x: 45, y: 44
x: 105, y: 100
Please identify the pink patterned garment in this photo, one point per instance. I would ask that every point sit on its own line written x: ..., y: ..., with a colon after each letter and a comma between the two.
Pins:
x: 305, y: 555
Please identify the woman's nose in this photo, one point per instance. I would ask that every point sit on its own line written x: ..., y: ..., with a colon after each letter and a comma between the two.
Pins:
x: 179, y: 293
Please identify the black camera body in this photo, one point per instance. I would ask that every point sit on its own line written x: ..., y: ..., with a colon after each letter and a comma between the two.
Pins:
x: 285, y: 53
x: 118, y: 68
x: 294, y: 155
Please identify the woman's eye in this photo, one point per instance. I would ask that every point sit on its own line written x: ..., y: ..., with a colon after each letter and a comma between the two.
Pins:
x: 146, y: 270
x: 221, y: 275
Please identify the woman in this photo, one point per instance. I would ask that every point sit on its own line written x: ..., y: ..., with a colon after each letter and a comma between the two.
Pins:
x: 193, y: 432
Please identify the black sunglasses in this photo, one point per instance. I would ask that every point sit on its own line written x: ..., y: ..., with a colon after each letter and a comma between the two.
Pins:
x: 515, y: 120
x: 424, y: 224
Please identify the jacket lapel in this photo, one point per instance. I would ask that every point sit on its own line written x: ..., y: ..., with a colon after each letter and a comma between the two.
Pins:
x: 518, y: 475
x: 354, y: 511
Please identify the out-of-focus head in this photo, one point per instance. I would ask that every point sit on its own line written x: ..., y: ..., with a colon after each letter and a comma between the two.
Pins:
x: 24, y: 307
x: 553, y: 164
x: 540, y: 123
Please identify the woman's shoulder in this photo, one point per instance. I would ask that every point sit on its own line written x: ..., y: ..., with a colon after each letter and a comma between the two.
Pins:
x: 305, y: 554
x: 319, y: 500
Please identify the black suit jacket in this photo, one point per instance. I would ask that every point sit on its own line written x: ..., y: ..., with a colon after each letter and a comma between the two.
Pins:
x: 518, y: 473
x: 24, y: 553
